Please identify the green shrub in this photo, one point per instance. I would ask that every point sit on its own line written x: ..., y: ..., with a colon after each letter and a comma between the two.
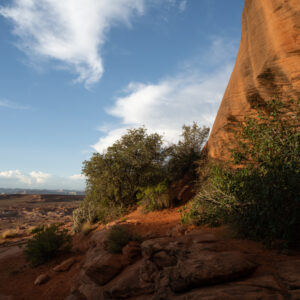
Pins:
x: 154, y: 197
x: 211, y: 205
x: 132, y: 169
x: 260, y: 197
x: 46, y: 244
x: 118, y: 237
x: 134, y: 161
x: 184, y: 155
x: 37, y: 229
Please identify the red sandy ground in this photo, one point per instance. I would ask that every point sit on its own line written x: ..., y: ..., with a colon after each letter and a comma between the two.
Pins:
x: 17, y: 278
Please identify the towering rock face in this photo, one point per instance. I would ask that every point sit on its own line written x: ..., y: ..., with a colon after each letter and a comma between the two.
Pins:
x: 268, y: 64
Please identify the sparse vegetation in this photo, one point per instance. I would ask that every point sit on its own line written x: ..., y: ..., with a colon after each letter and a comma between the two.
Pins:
x: 154, y: 197
x: 118, y: 237
x: 260, y: 195
x: 45, y: 244
x: 10, y: 233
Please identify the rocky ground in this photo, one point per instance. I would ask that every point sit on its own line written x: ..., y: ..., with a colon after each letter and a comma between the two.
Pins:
x: 20, y: 213
x: 171, y: 261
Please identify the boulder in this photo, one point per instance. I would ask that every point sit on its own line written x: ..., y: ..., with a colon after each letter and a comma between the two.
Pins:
x: 128, y: 284
x: 104, y: 268
x: 206, y: 268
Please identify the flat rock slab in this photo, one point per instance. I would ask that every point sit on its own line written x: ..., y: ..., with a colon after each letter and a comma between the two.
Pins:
x: 208, y: 268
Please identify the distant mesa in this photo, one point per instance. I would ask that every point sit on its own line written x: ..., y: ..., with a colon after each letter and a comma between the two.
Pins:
x: 267, y: 65
x: 8, y: 191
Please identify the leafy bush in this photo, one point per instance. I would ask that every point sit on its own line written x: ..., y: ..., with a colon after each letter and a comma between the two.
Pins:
x: 118, y: 237
x: 187, y: 152
x: 211, y: 205
x: 261, y: 195
x: 36, y: 229
x: 133, y: 169
x: 46, y: 244
x: 133, y: 161
x: 154, y: 197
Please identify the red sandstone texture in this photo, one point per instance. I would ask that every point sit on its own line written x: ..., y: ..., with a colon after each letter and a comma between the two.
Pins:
x: 267, y: 65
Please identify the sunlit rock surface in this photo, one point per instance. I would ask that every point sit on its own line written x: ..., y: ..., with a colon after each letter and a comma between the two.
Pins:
x: 267, y: 65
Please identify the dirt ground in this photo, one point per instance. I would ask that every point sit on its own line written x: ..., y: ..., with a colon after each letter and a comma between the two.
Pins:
x: 17, y: 277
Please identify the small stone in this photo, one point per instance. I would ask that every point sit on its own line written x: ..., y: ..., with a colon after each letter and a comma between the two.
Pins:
x: 41, y: 279
x: 65, y: 265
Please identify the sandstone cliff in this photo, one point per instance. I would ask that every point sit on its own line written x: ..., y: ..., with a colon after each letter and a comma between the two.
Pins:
x: 268, y: 64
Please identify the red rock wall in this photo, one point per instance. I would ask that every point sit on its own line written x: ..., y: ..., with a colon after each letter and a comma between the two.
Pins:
x: 268, y: 64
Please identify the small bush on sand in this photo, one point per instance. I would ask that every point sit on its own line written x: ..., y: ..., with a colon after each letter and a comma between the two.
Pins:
x: 46, y: 244
x: 86, y: 212
x: 36, y: 229
x: 118, y: 237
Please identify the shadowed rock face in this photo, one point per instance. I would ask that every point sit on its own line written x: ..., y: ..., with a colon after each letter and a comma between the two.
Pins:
x: 268, y: 64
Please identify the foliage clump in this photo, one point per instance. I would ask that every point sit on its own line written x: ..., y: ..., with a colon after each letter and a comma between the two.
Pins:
x: 187, y: 152
x: 45, y: 244
x: 260, y: 194
x: 154, y: 197
x: 136, y: 168
x: 118, y: 237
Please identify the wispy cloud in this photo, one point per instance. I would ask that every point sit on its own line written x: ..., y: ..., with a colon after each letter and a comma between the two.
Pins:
x: 73, y: 32
x: 182, y: 5
x: 163, y: 107
x: 12, y: 105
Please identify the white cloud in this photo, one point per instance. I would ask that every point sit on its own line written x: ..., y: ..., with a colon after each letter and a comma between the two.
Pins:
x: 33, y: 177
x: 163, y: 107
x: 166, y: 106
x: 73, y: 32
x: 39, y: 177
x: 9, y: 104
x: 40, y: 180
x: 69, y: 31
x: 77, y: 177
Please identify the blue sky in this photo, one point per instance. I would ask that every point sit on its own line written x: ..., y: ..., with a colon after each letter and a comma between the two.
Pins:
x: 75, y: 74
